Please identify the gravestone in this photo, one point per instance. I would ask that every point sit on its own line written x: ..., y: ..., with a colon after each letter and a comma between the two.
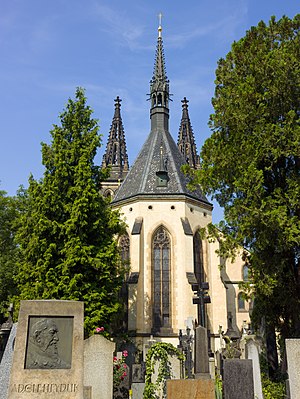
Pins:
x: 252, y: 352
x: 201, y: 363
x: 98, y: 366
x: 238, y: 379
x: 48, y: 355
x: 6, y: 363
x: 293, y: 365
x: 190, y: 389
x: 137, y: 390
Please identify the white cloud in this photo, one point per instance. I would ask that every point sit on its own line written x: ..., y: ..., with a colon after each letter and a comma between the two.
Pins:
x: 119, y: 26
x: 223, y: 28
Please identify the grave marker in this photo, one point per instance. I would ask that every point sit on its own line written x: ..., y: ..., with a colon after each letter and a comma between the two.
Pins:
x: 293, y: 363
x: 238, y: 379
x: 48, y: 355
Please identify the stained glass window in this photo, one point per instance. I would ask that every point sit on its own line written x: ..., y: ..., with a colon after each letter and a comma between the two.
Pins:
x: 161, y: 278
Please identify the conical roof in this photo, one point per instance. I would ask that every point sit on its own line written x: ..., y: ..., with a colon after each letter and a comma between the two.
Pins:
x: 142, y: 177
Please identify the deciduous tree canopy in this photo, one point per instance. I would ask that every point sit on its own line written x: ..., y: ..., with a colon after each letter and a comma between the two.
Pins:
x: 251, y: 163
x: 68, y: 235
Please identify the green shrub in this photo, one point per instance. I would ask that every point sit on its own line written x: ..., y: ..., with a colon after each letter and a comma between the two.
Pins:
x: 272, y: 390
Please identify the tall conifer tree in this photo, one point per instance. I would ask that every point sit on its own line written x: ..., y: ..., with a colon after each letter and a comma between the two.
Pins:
x: 68, y: 235
x: 251, y: 164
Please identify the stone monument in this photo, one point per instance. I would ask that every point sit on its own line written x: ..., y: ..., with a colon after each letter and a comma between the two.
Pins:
x: 98, y: 366
x: 201, y: 363
x: 48, y: 355
x: 252, y: 352
x: 6, y: 362
x: 238, y: 379
x: 293, y: 364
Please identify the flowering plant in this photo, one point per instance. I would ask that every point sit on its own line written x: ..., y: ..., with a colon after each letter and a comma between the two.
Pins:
x: 119, y: 368
x: 99, y: 330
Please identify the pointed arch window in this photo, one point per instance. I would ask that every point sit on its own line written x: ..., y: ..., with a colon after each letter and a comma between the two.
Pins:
x: 161, y: 272
x: 241, y: 302
x: 125, y: 247
x: 198, y: 258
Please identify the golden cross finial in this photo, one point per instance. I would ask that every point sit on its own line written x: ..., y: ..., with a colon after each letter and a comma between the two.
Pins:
x: 159, y: 24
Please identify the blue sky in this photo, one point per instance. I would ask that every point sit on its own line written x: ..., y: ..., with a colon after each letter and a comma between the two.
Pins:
x: 48, y: 48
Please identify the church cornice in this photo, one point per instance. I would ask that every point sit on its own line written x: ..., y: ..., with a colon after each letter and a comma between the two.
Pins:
x: 163, y: 198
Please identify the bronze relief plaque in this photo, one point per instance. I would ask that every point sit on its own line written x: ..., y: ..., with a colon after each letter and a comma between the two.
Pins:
x: 49, y: 342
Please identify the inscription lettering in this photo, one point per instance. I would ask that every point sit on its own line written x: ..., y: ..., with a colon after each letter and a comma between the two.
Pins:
x: 45, y: 388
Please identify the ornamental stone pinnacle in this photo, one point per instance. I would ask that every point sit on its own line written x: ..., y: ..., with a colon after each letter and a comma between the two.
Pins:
x: 186, y: 141
x: 116, y: 153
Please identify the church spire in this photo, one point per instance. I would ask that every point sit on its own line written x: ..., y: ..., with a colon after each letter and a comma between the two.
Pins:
x: 186, y: 141
x: 159, y: 87
x: 116, y: 153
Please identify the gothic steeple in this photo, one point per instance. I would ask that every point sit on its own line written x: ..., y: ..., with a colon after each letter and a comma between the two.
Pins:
x: 186, y: 141
x: 116, y: 153
x: 156, y: 172
x: 159, y: 88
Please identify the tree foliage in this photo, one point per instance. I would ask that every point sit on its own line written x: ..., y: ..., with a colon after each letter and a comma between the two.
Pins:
x: 251, y: 163
x: 9, y: 215
x: 68, y: 235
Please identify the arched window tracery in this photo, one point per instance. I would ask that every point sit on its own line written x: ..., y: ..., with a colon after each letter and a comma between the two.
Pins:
x: 161, y: 278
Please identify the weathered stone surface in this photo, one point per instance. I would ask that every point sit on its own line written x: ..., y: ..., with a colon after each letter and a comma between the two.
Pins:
x: 201, y: 351
x: 238, y: 379
x: 87, y: 392
x: 190, y: 389
x: 48, y: 355
x: 137, y: 390
x: 252, y: 352
x: 6, y: 363
x: 98, y: 366
x: 293, y: 363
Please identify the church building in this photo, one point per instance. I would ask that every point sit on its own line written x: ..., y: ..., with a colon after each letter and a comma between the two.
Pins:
x: 173, y: 271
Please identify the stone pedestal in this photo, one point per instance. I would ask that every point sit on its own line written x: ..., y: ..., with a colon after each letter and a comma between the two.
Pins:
x: 190, y: 389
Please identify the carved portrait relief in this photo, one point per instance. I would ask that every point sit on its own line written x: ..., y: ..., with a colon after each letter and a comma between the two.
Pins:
x: 49, y: 343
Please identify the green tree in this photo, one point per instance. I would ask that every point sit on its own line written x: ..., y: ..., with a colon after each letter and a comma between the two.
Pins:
x: 68, y: 235
x: 251, y: 164
x: 8, y: 250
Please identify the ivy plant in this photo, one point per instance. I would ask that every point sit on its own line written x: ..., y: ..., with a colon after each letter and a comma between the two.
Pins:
x: 159, y: 352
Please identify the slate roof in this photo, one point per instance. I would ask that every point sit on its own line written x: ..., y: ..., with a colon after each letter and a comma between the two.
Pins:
x: 141, y: 179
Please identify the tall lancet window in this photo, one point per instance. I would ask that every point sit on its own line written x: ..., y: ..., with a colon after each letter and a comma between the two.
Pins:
x: 198, y: 258
x: 161, y: 265
x: 124, y: 245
